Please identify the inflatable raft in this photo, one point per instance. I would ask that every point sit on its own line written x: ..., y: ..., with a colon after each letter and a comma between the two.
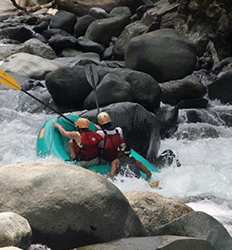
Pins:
x: 51, y: 143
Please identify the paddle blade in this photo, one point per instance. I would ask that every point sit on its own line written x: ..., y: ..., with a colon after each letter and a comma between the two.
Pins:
x: 91, y: 75
x: 8, y: 81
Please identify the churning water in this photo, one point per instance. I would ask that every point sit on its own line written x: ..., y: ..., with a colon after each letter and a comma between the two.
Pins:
x: 204, y: 181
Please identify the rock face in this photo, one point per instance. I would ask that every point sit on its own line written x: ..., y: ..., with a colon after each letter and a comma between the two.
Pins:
x: 163, y: 54
x: 81, y: 7
x: 155, y: 210
x: 202, y: 226
x: 14, y: 230
x: 62, y: 210
x: 153, y: 243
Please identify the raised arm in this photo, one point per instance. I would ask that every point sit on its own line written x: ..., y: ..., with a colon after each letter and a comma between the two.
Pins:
x: 68, y: 134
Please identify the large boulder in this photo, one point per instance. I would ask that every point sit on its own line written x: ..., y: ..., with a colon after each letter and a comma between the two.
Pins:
x: 126, y: 85
x: 141, y: 128
x: 155, y: 210
x: 19, y: 33
x: 72, y: 83
x: 221, y: 88
x: 30, y: 65
x: 130, y: 31
x: 168, y: 242
x: 173, y: 92
x: 14, y: 230
x: 208, y: 22
x: 63, y: 20
x: 199, y: 225
x: 36, y: 47
x: 81, y: 7
x: 164, y: 54
x: 32, y: 46
x: 67, y: 206
x: 102, y: 30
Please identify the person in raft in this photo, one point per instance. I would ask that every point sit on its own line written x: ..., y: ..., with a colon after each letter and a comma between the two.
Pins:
x: 83, y: 145
x: 113, y: 145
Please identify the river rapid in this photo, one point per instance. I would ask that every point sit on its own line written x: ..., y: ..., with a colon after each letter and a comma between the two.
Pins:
x: 204, y: 181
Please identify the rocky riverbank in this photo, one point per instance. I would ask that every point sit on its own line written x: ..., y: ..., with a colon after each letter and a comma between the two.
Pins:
x: 159, y: 65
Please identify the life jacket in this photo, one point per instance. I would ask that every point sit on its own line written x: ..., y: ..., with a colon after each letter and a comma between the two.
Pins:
x: 89, y: 149
x: 111, y: 144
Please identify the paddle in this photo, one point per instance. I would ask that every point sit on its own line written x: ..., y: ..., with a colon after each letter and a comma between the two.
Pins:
x: 9, y: 82
x: 93, y: 79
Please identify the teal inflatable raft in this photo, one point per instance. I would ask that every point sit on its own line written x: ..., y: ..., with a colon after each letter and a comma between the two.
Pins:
x: 51, y: 143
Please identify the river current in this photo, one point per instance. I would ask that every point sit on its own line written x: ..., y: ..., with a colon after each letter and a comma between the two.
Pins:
x: 204, y: 181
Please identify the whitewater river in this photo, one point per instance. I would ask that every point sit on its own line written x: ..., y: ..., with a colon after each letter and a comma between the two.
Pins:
x: 204, y: 180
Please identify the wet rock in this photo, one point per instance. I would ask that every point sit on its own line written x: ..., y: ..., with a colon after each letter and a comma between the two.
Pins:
x: 155, y: 210
x: 29, y: 65
x: 63, y: 211
x: 221, y: 89
x: 163, y: 54
x: 201, y: 226
x: 153, y: 243
x: 173, y: 92
x: 196, y: 131
x: 63, y: 20
x: 14, y: 230
x: 193, y: 103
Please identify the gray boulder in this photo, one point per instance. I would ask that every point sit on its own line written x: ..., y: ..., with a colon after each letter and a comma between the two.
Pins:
x: 200, y: 225
x: 126, y: 85
x: 63, y: 20
x: 102, y: 30
x: 36, y: 47
x: 155, y: 210
x: 221, y: 88
x: 164, y: 54
x: 130, y: 31
x: 29, y: 65
x: 67, y: 206
x: 14, y: 230
x: 141, y: 128
x: 81, y: 7
x: 173, y: 92
x: 168, y: 242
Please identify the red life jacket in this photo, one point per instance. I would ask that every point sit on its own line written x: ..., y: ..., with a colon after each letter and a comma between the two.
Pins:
x: 111, y: 144
x: 90, y: 150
